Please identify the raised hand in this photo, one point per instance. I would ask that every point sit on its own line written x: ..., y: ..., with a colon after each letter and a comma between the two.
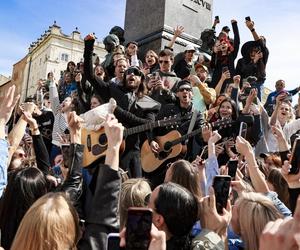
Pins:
x: 114, y: 131
x: 178, y: 31
x: 90, y: 37
x: 8, y: 102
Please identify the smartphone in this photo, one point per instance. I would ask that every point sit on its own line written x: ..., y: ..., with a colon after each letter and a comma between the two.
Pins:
x: 138, y: 227
x: 295, y: 158
x: 65, y: 151
x: 113, y: 241
x: 243, y: 130
x: 247, y: 18
x: 232, y: 167
x: 217, y: 18
x: 221, y: 185
x: 224, y: 69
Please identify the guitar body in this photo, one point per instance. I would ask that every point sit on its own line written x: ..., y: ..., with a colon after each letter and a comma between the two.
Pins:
x: 151, y: 161
x: 95, y: 145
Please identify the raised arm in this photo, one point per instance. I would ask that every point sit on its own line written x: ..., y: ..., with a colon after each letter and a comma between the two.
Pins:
x: 41, y: 153
x: 100, y: 87
x: 257, y: 179
x: 16, y: 134
x: 236, y: 41
x: 177, y: 33
x: 72, y: 184
x: 8, y: 102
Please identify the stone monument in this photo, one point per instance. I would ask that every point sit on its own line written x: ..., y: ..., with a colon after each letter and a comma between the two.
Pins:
x: 151, y: 23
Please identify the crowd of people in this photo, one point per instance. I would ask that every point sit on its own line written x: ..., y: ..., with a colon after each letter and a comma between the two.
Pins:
x: 184, y: 120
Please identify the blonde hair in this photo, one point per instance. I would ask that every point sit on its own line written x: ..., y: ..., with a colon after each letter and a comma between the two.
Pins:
x: 134, y: 193
x: 254, y: 212
x: 50, y: 223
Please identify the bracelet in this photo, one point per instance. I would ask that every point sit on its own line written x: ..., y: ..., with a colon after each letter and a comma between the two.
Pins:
x: 34, y: 129
x: 252, y: 30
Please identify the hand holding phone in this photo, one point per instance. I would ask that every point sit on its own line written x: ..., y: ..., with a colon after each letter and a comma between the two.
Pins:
x: 138, y: 228
x: 247, y: 18
x: 243, y: 130
x: 224, y: 69
x: 221, y: 185
x: 232, y: 166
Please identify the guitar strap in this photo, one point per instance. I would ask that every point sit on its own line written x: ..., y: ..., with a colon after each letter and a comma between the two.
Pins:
x: 192, y: 122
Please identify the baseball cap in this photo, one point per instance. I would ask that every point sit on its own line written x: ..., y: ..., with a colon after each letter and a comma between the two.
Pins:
x: 189, y: 47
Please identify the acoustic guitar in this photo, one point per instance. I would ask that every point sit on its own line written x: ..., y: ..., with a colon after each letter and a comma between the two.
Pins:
x: 171, y: 146
x: 96, y: 141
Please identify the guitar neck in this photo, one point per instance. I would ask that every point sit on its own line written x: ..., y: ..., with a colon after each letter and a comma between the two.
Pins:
x: 187, y: 136
x: 141, y: 128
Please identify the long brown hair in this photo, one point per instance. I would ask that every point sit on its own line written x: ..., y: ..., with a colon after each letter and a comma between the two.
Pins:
x: 186, y: 175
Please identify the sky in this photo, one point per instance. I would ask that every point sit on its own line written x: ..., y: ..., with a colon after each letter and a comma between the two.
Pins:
x: 22, y: 22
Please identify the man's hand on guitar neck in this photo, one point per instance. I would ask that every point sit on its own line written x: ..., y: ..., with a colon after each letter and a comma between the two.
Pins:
x: 154, y: 147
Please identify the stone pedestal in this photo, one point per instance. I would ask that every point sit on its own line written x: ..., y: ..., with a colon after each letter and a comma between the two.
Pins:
x: 151, y: 23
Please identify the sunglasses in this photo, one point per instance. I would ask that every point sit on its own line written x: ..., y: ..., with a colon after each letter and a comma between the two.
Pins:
x: 165, y: 62
x: 185, y: 89
x: 134, y: 71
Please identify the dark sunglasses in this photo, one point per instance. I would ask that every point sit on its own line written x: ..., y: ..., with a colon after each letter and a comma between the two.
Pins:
x: 134, y: 71
x: 161, y: 62
x: 183, y: 89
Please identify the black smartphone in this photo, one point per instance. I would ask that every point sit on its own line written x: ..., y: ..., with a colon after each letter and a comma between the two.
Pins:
x: 224, y: 69
x: 217, y: 18
x: 232, y: 166
x: 247, y: 18
x: 295, y: 157
x: 113, y: 242
x: 138, y: 227
x: 221, y: 185
x: 65, y: 149
x: 243, y: 130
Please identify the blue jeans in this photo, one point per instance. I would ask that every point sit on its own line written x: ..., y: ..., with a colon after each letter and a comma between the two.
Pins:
x: 259, y: 86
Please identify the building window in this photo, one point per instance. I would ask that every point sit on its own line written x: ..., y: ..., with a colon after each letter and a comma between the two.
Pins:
x: 65, y: 57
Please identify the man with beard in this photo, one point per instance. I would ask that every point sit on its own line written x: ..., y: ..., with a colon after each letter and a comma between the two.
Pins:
x: 133, y: 107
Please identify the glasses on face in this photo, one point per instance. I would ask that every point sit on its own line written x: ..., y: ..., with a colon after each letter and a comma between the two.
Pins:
x: 134, y: 71
x: 163, y: 62
x: 185, y: 89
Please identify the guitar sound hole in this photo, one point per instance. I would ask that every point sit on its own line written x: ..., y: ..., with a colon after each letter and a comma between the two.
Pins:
x: 103, y: 140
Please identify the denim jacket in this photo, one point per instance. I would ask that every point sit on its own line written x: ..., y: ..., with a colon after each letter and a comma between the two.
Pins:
x: 3, y: 164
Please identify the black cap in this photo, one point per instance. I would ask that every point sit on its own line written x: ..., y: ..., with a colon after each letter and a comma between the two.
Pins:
x: 183, y: 83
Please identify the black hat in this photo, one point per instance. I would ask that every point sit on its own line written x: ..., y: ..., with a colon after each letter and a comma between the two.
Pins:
x: 183, y: 84
x: 248, y: 46
x: 226, y: 29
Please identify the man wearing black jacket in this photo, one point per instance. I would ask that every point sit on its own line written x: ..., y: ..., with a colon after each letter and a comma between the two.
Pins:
x: 182, y: 108
x: 134, y: 108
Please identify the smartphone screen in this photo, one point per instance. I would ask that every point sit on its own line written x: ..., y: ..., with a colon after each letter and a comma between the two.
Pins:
x: 243, y: 130
x: 113, y: 242
x: 138, y: 228
x: 232, y: 167
x: 295, y: 158
x: 224, y: 69
x: 221, y: 186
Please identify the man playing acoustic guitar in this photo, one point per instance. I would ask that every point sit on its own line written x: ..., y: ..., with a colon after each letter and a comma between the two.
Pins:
x: 181, y: 108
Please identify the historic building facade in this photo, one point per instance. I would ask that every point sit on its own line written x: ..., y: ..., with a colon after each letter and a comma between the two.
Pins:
x: 51, y: 52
